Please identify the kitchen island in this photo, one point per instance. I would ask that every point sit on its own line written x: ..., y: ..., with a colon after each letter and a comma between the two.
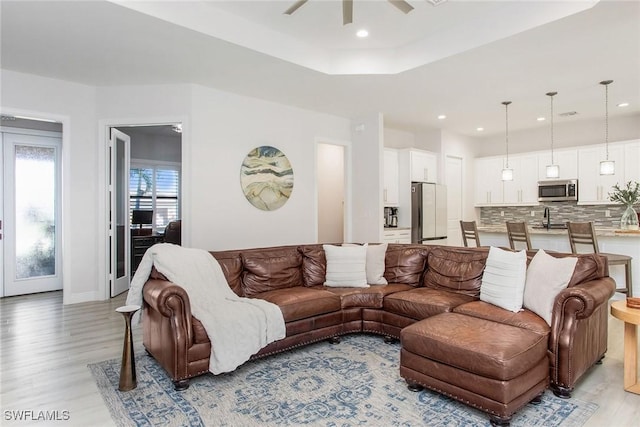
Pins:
x: 610, y: 240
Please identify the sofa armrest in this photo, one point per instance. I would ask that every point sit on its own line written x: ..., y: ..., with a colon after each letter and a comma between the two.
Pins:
x: 581, y: 300
x: 579, y: 330
x: 171, y: 301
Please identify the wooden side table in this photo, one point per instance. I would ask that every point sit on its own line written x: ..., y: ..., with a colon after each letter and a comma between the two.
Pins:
x: 128, y: 379
x: 631, y: 319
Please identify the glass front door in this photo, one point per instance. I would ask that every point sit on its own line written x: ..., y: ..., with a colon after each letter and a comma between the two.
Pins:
x: 31, y: 229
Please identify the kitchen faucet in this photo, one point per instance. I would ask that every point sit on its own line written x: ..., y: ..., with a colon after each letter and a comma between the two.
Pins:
x: 547, y: 215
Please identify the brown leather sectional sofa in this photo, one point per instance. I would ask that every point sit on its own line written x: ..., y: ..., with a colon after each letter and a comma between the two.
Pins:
x: 434, y: 291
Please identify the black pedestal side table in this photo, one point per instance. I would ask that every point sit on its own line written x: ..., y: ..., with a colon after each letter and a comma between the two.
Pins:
x: 128, y: 369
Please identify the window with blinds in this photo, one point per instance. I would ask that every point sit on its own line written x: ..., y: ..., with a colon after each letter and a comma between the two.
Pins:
x: 155, y: 187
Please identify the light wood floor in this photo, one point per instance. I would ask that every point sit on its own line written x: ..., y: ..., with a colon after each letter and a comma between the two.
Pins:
x: 46, y: 348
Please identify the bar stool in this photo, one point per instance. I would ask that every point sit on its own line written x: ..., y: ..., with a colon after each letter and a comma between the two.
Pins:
x: 584, y: 233
x: 518, y: 232
x: 469, y: 232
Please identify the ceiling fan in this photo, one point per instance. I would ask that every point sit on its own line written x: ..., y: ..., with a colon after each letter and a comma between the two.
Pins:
x: 347, y: 8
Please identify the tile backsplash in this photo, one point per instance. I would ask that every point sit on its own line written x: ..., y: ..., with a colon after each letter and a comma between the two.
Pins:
x: 560, y: 212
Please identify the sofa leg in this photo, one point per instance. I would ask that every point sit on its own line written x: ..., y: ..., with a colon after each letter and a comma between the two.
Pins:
x: 561, y: 392
x: 599, y: 362
x: 500, y: 421
x: 334, y: 340
x: 389, y: 340
x: 414, y: 387
x: 537, y: 400
x: 181, y: 385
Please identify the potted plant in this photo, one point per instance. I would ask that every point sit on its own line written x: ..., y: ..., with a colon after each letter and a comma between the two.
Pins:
x: 628, y: 195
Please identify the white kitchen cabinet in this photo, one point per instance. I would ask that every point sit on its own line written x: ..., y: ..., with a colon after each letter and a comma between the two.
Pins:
x: 488, y: 180
x: 397, y: 235
x: 632, y: 161
x: 492, y: 191
x: 391, y: 181
x: 423, y: 166
x: 523, y: 189
x: 567, y: 160
x: 594, y: 188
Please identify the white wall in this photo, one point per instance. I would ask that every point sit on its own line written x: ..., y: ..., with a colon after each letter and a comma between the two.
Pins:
x: 225, y: 127
x: 368, y: 165
x: 395, y: 138
x: 74, y: 105
x: 571, y: 134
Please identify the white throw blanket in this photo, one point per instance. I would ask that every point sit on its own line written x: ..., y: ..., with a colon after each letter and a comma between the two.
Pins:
x: 237, y: 327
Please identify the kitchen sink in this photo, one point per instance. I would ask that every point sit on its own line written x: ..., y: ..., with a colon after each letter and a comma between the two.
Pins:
x: 551, y: 226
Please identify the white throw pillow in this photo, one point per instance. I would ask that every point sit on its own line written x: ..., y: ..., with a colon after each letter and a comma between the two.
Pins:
x: 546, y: 277
x: 504, y: 278
x: 375, y: 263
x: 346, y: 266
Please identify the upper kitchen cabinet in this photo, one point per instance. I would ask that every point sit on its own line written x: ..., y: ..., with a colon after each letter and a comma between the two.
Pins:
x: 567, y: 160
x: 391, y: 180
x: 632, y: 161
x: 423, y: 165
x: 488, y: 178
x: 523, y: 190
x: 594, y: 188
x: 491, y: 190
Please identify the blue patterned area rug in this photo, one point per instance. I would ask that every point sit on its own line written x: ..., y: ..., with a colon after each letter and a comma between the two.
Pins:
x: 356, y: 382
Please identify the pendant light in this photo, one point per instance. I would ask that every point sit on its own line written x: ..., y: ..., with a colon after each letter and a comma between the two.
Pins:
x: 607, y: 167
x: 553, y: 170
x: 507, y: 172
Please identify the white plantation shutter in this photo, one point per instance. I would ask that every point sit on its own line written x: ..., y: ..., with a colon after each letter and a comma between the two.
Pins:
x: 155, y: 186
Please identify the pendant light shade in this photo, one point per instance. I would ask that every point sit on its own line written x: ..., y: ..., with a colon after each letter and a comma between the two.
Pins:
x: 552, y: 170
x: 607, y: 167
x: 507, y: 172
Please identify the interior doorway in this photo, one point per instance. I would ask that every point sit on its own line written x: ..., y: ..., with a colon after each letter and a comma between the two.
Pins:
x: 145, y: 184
x: 331, y: 192
x: 31, y: 213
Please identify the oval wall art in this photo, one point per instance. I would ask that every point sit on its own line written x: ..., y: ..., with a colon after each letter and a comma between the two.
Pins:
x: 266, y: 177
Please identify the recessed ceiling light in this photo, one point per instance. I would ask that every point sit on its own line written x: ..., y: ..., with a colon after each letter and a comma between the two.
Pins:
x: 362, y: 33
x: 623, y: 104
x: 541, y: 119
x: 442, y: 117
x: 479, y: 129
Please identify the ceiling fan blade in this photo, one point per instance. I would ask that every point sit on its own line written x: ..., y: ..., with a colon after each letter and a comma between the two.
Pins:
x: 295, y: 7
x: 402, y: 5
x: 347, y: 12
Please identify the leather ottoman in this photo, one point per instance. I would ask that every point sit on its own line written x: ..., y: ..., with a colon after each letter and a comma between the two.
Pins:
x: 491, y: 366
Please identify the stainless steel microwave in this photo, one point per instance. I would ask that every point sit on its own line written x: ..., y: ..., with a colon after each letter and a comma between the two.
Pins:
x: 558, y: 190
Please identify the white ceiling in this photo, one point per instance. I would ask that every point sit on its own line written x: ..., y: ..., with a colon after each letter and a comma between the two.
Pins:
x: 251, y: 48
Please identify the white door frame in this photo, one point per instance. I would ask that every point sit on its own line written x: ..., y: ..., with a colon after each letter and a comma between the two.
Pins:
x: 104, y: 126
x: 65, y: 190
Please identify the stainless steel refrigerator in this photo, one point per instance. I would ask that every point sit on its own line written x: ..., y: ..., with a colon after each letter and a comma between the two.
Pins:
x: 428, y: 212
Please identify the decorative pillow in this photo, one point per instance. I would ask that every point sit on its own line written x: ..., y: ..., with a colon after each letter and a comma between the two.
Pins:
x: 346, y: 266
x: 504, y: 278
x: 375, y: 263
x: 546, y: 277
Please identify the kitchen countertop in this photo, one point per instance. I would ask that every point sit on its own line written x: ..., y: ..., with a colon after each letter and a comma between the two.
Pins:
x: 397, y: 228
x: 605, y: 232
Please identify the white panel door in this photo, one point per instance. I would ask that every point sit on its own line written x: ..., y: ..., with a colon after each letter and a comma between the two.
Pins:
x: 453, y: 178
x: 32, y: 214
